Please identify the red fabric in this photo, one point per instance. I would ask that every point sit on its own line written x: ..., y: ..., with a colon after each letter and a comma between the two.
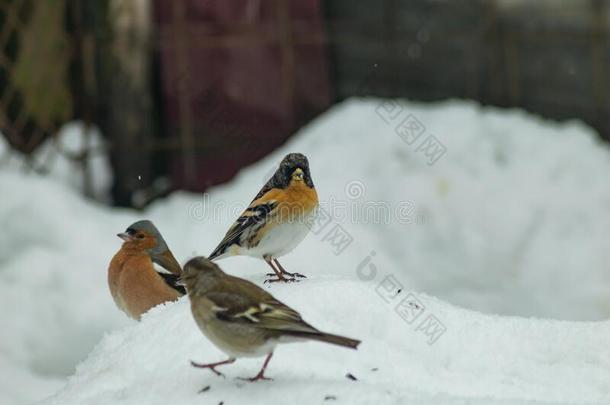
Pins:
x: 236, y: 87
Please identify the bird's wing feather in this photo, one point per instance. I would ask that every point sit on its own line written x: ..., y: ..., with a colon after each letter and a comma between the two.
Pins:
x: 256, y: 307
x: 167, y: 261
x: 255, y: 216
x: 173, y: 280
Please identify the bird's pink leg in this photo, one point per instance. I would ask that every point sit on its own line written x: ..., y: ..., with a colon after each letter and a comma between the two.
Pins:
x: 277, y: 273
x: 283, y: 270
x: 261, y: 374
x: 212, y: 366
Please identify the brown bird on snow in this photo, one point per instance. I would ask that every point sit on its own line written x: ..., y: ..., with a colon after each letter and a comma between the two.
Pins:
x: 242, y: 319
x: 135, y: 284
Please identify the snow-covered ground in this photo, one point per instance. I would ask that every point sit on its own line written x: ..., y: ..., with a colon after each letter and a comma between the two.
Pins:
x: 476, y: 276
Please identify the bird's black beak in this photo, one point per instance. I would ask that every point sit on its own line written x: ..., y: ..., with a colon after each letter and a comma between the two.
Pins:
x: 125, y: 236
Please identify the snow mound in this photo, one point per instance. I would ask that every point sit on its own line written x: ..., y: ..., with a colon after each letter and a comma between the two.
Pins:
x: 511, y: 219
x: 54, y: 306
x: 477, y: 357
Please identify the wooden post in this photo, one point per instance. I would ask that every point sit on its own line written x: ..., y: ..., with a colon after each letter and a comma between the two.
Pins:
x: 128, y: 121
x: 179, y: 25
x: 599, y: 36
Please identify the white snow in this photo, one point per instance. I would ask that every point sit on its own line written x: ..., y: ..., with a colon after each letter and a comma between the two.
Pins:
x: 511, y: 220
x: 479, y: 357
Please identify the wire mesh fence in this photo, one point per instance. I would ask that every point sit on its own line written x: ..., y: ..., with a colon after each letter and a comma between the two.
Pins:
x: 42, y: 77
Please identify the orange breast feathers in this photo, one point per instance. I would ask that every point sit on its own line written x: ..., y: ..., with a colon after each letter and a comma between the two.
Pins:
x: 294, y: 201
x: 135, y: 285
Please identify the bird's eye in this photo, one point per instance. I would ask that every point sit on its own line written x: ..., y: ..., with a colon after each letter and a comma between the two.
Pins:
x: 140, y: 236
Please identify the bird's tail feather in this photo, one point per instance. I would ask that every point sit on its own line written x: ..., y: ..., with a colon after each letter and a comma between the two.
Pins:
x: 328, y: 338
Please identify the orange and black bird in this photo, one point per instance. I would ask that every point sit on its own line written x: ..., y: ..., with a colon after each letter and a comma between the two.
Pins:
x: 135, y: 283
x: 277, y: 220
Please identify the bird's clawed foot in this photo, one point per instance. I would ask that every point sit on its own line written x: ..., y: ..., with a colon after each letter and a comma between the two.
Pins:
x: 212, y: 366
x: 261, y: 373
x: 287, y: 273
x: 274, y: 278
x: 258, y: 377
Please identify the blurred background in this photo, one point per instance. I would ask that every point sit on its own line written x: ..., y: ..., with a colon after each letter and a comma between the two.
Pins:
x: 179, y: 110
x: 182, y: 94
